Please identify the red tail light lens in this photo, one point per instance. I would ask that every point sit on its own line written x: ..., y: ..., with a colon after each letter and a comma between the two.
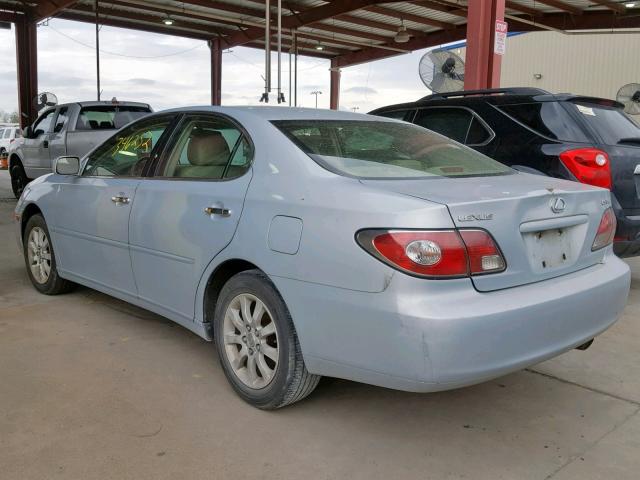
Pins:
x: 484, y: 255
x: 589, y: 165
x: 606, y: 230
x: 435, y: 253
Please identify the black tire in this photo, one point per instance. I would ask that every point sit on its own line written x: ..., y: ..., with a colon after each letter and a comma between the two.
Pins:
x: 291, y: 381
x: 54, y: 284
x: 19, y: 179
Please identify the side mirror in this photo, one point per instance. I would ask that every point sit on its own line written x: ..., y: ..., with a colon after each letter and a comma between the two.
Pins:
x: 28, y: 132
x: 67, y: 166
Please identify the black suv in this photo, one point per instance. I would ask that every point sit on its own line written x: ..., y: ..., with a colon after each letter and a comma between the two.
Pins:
x: 585, y: 139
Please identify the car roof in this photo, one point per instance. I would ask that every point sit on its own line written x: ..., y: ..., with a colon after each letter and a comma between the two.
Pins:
x: 498, y: 97
x: 270, y: 113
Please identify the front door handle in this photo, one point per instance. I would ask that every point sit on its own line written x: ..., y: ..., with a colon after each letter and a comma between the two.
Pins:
x: 223, y: 212
x: 120, y: 199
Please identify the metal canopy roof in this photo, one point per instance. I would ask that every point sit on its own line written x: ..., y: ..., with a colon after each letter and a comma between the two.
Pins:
x: 349, y: 31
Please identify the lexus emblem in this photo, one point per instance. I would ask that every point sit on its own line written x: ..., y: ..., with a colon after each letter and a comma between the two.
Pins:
x: 558, y: 205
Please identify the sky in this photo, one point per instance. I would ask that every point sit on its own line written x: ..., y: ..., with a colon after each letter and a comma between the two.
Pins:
x: 167, y: 71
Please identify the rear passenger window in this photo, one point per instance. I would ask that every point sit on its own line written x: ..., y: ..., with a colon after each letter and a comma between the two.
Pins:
x: 548, y: 119
x: 210, y: 149
x: 458, y: 124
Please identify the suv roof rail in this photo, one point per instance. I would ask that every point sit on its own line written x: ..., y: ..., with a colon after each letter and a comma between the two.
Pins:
x: 488, y: 91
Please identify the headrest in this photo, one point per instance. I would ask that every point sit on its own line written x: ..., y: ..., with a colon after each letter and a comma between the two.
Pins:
x: 207, y: 148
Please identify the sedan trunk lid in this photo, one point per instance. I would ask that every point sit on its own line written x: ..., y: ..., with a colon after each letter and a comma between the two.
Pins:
x: 544, y: 226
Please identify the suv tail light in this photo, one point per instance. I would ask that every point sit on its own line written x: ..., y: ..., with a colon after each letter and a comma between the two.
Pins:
x: 589, y: 165
x: 434, y: 253
x: 606, y: 230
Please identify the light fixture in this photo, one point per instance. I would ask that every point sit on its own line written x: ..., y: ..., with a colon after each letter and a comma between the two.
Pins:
x: 167, y: 20
x: 402, y: 36
x: 630, y: 4
x: 319, y: 47
x: 537, y: 76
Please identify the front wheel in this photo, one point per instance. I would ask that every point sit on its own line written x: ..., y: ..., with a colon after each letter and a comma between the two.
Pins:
x: 40, y: 258
x: 19, y: 179
x: 257, y: 343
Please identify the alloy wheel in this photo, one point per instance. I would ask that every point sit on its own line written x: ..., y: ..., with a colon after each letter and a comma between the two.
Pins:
x: 39, y: 255
x: 251, y: 341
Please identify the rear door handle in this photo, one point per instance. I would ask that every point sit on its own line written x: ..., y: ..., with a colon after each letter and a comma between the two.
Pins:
x: 120, y: 199
x: 45, y: 144
x: 223, y: 212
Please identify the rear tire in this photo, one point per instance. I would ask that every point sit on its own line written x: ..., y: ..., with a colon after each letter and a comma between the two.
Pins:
x: 19, y: 179
x: 40, y: 258
x: 257, y: 343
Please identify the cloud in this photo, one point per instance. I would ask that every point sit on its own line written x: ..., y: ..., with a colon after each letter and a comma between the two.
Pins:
x: 142, y: 81
x: 361, y: 90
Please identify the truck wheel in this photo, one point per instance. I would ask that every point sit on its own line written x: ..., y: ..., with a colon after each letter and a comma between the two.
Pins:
x: 41, y: 259
x: 19, y: 180
x: 257, y: 343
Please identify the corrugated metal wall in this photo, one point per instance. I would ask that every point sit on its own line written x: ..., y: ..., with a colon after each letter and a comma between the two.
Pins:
x: 596, y: 65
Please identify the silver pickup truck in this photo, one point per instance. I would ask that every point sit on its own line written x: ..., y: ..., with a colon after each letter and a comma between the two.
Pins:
x: 69, y: 129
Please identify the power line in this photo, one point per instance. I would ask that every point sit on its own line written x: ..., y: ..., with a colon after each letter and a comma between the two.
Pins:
x: 138, y: 57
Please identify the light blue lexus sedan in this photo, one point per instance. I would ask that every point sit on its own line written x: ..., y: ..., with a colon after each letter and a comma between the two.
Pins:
x: 309, y: 242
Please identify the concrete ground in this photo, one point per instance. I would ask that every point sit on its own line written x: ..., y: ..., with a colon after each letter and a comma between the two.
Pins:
x: 92, y: 388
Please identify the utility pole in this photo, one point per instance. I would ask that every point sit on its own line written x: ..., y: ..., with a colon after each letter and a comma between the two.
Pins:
x: 316, y: 93
x: 98, y: 49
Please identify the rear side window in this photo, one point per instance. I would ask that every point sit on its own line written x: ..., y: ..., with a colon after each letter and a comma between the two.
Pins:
x: 458, y: 124
x: 548, y: 119
x: 108, y: 117
x: 7, y: 133
x: 611, y: 124
x: 397, y: 114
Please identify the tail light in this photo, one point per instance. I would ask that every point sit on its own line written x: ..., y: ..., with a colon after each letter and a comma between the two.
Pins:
x: 606, y: 230
x: 434, y: 253
x: 589, y: 165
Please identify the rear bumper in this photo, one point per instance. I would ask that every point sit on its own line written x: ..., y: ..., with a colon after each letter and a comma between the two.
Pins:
x: 426, y: 336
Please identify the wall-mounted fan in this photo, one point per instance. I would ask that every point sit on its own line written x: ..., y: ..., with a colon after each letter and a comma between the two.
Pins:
x: 629, y: 96
x: 44, y: 100
x: 442, y: 71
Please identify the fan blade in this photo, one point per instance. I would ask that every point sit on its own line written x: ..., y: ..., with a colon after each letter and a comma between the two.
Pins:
x: 438, y: 84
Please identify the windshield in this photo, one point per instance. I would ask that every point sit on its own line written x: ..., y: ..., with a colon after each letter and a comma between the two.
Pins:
x: 374, y: 149
x: 611, y: 124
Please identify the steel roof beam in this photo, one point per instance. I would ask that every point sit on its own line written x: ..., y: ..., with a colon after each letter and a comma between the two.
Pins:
x: 408, y: 16
x: 593, y: 20
x: 616, y: 7
x: 565, y: 7
x: 303, y: 18
x: 50, y: 8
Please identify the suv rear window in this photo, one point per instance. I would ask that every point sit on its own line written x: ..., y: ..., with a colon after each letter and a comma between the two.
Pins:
x: 373, y: 149
x: 548, y: 119
x: 611, y: 124
x: 109, y: 117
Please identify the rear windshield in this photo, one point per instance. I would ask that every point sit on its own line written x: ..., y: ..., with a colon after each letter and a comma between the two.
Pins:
x: 372, y: 149
x: 109, y: 117
x: 611, y: 124
x: 548, y: 119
